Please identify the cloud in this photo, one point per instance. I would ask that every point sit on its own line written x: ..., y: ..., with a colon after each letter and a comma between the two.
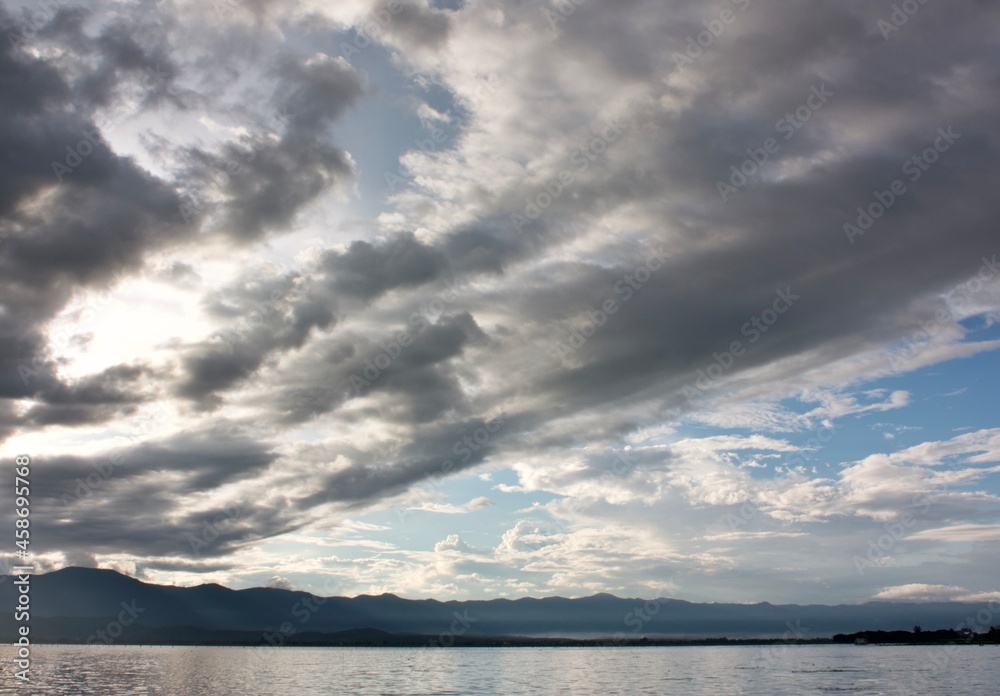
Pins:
x: 450, y: 509
x: 961, y: 533
x: 367, y: 270
x: 918, y: 592
x: 453, y: 543
x: 662, y: 356
x: 280, y: 583
x: 260, y: 182
x: 265, y: 315
x: 442, y: 508
x: 980, y: 597
x: 415, y: 26
x: 74, y: 215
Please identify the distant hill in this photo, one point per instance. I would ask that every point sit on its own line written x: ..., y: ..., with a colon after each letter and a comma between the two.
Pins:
x: 74, y: 602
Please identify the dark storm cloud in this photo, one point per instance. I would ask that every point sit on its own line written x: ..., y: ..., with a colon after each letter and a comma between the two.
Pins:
x: 132, y: 53
x: 265, y: 180
x: 422, y: 385
x: 129, y: 497
x: 785, y: 233
x: 411, y: 378
x: 262, y: 317
x: 487, y: 247
x: 203, y: 459
x: 265, y: 183
x: 315, y: 92
x: 414, y: 25
x: 210, y: 457
x: 367, y: 270
x: 95, y: 398
x: 267, y: 318
x: 614, y: 41
x: 102, y: 214
x: 436, y: 450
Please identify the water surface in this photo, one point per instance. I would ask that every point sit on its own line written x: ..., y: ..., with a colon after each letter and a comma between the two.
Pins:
x: 234, y: 671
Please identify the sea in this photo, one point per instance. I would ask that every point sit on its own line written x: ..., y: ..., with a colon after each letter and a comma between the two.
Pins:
x: 235, y: 671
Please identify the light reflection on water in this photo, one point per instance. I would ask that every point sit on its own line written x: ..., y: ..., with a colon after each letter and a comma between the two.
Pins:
x: 197, y: 671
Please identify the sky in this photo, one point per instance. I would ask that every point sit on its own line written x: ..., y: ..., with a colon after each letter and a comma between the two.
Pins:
x: 496, y: 299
